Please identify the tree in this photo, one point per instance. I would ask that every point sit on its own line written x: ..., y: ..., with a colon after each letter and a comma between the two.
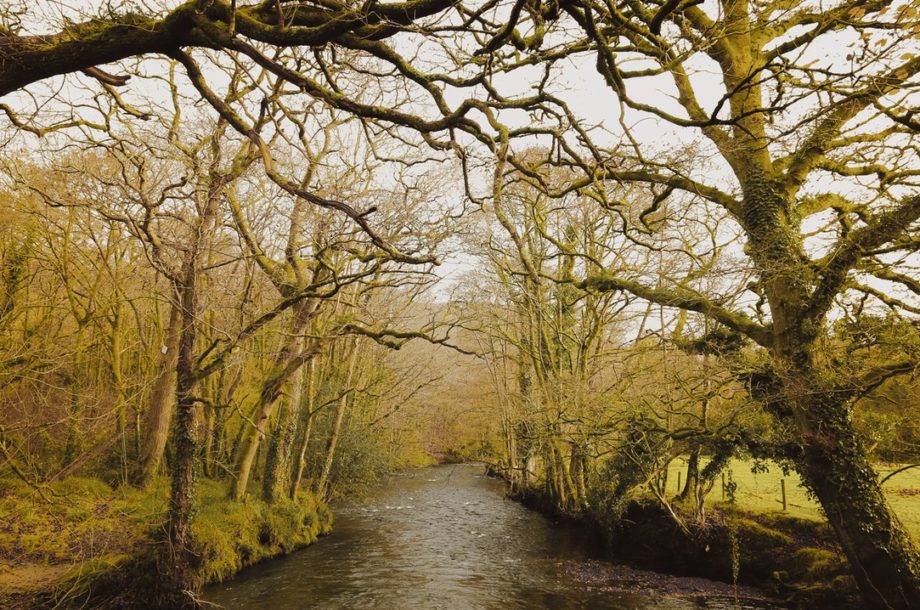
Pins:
x: 550, y: 346
x: 82, y: 46
x: 783, y: 122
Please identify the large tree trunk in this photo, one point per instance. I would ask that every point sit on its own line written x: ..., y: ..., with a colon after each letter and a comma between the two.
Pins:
x: 278, y: 461
x: 74, y: 433
x: 160, y: 410
x: 834, y: 462
x: 177, y: 562
x: 836, y: 467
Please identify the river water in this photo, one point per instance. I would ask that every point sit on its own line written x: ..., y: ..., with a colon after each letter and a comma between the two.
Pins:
x: 447, y: 538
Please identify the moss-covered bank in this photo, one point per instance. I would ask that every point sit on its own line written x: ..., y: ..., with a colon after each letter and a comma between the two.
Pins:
x: 792, y: 559
x: 87, y: 545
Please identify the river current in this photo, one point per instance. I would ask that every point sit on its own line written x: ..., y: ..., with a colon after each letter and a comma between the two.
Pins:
x: 447, y: 538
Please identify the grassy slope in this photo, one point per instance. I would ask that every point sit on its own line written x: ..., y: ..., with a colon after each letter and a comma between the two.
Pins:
x: 85, y: 530
x: 760, y: 493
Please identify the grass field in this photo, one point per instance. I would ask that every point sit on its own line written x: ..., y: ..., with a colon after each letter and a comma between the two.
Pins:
x: 761, y: 492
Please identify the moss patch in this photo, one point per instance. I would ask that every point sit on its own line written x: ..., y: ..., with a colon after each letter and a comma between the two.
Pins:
x: 86, y: 541
x: 232, y: 535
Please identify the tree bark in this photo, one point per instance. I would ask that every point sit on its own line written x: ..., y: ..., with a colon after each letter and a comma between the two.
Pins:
x: 278, y: 461
x: 177, y: 561
x: 836, y: 467
x: 691, y: 485
x: 322, y: 484
x: 304, y: 439
x: 288, y: 361
x: 160, y: 410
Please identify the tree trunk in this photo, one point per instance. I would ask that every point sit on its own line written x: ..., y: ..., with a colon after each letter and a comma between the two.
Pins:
x: 834, y: 463
x: 177, y: 561
x: 301, y: 463
x: 279, y: 450
x: 288, y: 361
x: 836, y: 467
x: 578, y: 469
x: 74, y: 435
x: 322, y: 485
x: 510, y: 450
x: 115, y: 368
x: 691, y: 485
x: 304, y: 438
x: 159, y: 413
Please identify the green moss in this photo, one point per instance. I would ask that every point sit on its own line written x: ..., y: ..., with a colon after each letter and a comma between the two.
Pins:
x: 234, y: 534
x: 818, y: 563
x: 760, y: 536
x: 105, y: 537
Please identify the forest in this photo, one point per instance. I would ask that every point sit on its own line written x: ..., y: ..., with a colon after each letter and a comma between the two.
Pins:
x: 257, y: 254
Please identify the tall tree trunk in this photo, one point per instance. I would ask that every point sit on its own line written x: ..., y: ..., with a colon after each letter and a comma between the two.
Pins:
x: 300, y: 462
x: 836, y: 467
x: 177, y: 561
x: 834, y: 462
x: 691, y: 485
x: 288, y: 361
x: 160, y: 410
x: 692, y: 488
x: 78, y: 367
x: 577, y: 469
x: 278, y: 461
x: 115, y: 368
x: 508, y: 432
x: 322, y: 484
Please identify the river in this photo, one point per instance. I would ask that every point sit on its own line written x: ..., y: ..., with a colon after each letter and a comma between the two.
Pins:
x: 446, y: 537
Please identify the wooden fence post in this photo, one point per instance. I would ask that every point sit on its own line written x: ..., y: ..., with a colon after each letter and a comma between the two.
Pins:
x: 782, y: 487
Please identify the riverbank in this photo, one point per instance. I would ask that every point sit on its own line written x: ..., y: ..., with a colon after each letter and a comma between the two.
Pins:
x: 787, y: 558
x: 80, y: 543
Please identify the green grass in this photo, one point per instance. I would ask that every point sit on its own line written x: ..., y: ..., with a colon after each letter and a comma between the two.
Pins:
x: 761, y: 492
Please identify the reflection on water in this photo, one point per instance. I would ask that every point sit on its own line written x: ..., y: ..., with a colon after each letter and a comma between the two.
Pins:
x: 443, y: 537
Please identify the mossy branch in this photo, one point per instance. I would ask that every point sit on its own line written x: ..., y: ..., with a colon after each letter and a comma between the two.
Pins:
x: 683, y: 298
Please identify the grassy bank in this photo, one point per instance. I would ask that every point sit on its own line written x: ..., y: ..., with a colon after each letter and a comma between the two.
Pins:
x: 747, y: 537
x: 80, y: 539
x: 793, y: 559
x: 788, y: 558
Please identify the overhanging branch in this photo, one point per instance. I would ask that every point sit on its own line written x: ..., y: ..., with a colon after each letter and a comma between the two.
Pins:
x: 683, y: 299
